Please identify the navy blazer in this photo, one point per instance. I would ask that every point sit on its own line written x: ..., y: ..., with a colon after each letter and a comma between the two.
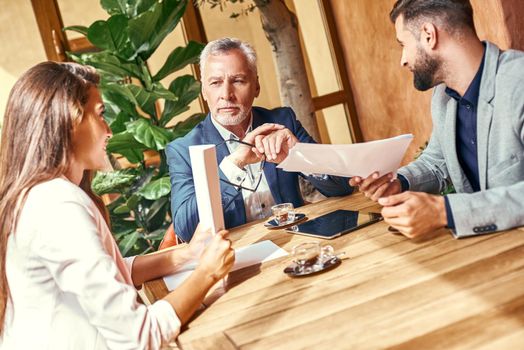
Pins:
x: 283, y: 185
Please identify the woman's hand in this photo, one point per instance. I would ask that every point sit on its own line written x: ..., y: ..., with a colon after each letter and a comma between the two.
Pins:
x: 215, y: 262
x: 218, y: 257
x: 199, y: 241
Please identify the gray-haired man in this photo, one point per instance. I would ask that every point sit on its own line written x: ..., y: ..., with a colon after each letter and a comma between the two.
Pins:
x: 249, y: 188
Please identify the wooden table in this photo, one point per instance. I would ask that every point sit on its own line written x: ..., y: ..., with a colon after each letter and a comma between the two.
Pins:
x: 392, y: 292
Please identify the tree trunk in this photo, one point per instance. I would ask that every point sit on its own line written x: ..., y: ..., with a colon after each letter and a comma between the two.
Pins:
x: 281, y: 28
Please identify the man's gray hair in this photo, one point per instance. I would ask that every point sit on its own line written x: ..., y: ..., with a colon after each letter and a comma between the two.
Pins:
x: 223, y: 46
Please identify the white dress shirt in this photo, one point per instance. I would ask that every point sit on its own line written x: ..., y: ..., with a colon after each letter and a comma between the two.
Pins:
x: 257, y: 204
x: 70, y: 287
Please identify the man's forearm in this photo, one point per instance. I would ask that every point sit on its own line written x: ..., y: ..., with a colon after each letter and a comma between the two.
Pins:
x: 488, y: 211
x: 331, y: 186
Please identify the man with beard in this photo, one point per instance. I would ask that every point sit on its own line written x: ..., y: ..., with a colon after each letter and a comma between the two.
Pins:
x: 477, y: 144
x: 250, y: 141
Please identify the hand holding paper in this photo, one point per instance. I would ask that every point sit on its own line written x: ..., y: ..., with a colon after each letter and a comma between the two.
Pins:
x: 246, y: 256
x: 275, y: 145
x: 218, y: 257
x: 375, y: 186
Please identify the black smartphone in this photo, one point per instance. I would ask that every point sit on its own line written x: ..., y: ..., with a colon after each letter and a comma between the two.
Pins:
x: 335, y: 223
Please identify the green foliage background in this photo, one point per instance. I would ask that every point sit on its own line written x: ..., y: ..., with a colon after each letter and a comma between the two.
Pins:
x: 131, y: 92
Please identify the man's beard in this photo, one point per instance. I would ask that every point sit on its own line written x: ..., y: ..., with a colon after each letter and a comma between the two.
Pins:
x: 425, y: 70
x: 228, y: 120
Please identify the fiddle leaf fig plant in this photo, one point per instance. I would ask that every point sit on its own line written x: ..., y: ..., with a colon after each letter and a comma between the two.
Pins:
x: 132, y: 95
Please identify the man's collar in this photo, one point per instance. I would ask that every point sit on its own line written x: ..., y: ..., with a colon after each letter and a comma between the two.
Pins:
x: 472, y: 93
x: 226, y: 134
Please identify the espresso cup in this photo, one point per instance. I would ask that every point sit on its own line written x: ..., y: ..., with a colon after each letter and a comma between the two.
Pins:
x: 283, y: 213
x: 311, y: 256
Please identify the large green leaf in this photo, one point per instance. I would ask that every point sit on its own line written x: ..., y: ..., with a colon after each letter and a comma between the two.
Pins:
x: 158, y: 208
x: 120, y: 225
x: 118, y: 102
x: 128, y: 242
x: 156, y: 189
x: 109, y: 35
x: 179, y: 58
x: 146, y: 99
x: 130, y: 8
x: 122, y: 209
x: 186, y: 89
x: 110, y: 112
x: 117, y: 181
x: 120, y: 235
x: 121, y: 95
x: 156, y: 235
x: 114, y: 7
x: 132, y: 202
x: 107, y: 63
x: 182, y: 128
x: 150, y: 135
x: 126, y: 145
x: 156, y: 217
x: 118, y: 109
x: 148, y: 29
x: 118, y: 125
x: 142, y: 96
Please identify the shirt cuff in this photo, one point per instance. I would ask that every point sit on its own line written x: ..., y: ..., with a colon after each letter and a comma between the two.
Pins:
x: 129, y: 264
x: 404, y: 183
x: 449, y: 214
x: 319, y: 176
x: 234, y: 174
x: 166, y: 319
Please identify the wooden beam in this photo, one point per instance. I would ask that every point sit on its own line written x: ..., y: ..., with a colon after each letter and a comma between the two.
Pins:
x: 193, y: 29
x: 80, y: 45
x: 50, y: 25
x: 351, y: 111
x: 329, y: 100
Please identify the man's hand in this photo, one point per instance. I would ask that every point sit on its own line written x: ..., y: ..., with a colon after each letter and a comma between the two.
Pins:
x: 375, y: 187
x: 275, y: 145
x: 245, y: 155
x: 414, y: 214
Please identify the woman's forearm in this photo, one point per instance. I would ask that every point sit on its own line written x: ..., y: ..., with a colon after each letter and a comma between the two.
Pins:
x: 189, y: 295
x: 152, y: 266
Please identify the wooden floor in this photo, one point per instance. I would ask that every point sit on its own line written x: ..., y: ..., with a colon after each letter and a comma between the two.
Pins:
x: 392, y: 292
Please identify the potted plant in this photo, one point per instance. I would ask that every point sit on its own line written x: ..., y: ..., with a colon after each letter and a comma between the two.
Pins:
x: 131, y: 93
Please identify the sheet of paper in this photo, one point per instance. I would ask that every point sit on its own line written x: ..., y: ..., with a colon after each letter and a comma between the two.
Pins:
x: 246, y: 256
x: 359, y: 159
x: 207, y: 186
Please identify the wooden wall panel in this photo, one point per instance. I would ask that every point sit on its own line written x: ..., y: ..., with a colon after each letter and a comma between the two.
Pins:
x: 386, y: 101
x: 513, y: 12
x: 489, y: 22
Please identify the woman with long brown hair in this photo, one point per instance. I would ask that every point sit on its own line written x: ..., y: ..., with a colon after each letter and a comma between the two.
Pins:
x: 63, y: 282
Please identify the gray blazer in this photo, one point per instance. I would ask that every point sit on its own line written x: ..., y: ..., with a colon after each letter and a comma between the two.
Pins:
x: 500, y: 135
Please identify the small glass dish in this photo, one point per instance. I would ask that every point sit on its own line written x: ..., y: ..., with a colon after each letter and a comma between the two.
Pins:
x: 272, y: 224
x: 294, y: 270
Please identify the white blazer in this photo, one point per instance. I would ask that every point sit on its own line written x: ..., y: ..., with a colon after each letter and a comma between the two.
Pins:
x: 70, y: 287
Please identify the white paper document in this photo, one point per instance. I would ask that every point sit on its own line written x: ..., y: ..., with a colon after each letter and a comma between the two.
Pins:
x: 246, y: 256
x: 207, y: 187
x: 358, y: 159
